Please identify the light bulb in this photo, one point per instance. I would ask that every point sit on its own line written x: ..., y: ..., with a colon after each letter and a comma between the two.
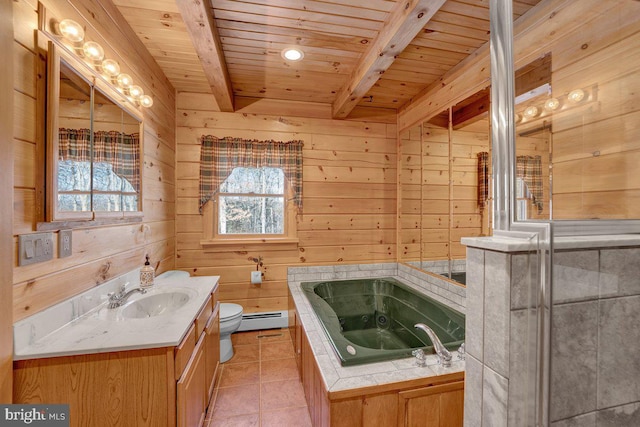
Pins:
x: 531, y: 112
x: 110, y: 67
x: 576, y: 95
x: 71, y: 30
x: 93, y: 51
x: 292, y: 54
x: 135, y: 91
x: 146, y: 101
x: 124, y: 80
x: 552, y: 104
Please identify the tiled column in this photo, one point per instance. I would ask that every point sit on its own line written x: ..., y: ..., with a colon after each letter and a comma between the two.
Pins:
x: 595, y: 335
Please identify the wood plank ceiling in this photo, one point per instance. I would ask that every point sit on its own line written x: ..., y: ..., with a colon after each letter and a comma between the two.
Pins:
x: 357, y: 53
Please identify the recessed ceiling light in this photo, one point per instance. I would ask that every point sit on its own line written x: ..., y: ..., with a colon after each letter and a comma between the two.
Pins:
x: 292, y: 54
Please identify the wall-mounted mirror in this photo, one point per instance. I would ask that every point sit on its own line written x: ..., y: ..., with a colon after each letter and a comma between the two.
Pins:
x: 454, y: 171
x: 93, y: 146
x: 533, y: 139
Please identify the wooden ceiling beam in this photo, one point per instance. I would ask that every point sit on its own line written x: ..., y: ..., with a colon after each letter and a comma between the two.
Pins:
x: 404, y: 22
x: 471, y: 113
x: 198, y: 17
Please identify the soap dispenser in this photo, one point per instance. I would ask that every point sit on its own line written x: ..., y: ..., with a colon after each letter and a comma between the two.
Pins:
x: 146, y: 274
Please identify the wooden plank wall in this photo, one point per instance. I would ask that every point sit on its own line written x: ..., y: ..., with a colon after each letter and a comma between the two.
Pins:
x: 596, y: 149
x: 6, y: 208
x: 600, y: 47
x: 99, y: 253
x: 466, y: 220
x: 436, y: 203
x: 349, y: 192
x: 410, y: 195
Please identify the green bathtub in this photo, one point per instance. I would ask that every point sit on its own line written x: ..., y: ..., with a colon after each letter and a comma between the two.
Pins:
x: 371, y: 320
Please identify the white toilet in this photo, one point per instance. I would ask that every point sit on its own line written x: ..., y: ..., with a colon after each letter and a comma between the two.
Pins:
x: 230, y: 318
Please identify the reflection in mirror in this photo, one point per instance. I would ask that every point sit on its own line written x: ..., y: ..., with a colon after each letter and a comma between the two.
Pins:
x: 74, y: 142
x: 534, y: 106
x: 93, y: 147
x: 115, y: 157
x: 454, y: 199
x: 435, y: 191
x: 410, y: 195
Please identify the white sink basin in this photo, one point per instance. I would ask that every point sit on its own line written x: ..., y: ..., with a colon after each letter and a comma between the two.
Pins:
x: 156, y: 304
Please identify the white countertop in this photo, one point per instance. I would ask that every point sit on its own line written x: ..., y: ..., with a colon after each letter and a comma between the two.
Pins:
x: 102, y: 330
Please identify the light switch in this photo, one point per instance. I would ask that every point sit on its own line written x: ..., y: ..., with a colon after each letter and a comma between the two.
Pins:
x: 35, y: 247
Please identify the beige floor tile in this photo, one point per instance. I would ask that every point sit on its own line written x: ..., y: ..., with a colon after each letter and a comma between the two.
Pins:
x: 252, y: 420
x: 243, y: 338
x: 276, y: 350
x: 290, y: 417
x: 232, y: 401
x: 281, y: 394
x: 238, y: 374
x: 244, y: 354
x: 278, y: 370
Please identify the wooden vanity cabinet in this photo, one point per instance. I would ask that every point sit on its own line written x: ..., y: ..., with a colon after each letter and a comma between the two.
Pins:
x: 191, y: 390
x: 169, y: 386
x: 431, y: 402
x: 212, y: 350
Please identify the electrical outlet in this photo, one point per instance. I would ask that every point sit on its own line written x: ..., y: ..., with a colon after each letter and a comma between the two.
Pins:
x: 256, y: 277
x: 35, y: 247
x: 64, y: 243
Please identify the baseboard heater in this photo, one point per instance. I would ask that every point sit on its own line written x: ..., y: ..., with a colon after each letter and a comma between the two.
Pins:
x: 267, y: 320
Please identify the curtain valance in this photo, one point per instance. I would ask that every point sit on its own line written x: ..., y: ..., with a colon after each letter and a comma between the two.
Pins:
x: 119, y: 149
x: 529, y: 168
x: 483, y: 179
x: 219, y: 156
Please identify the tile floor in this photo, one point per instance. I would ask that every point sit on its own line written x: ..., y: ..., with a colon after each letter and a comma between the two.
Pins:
x: 260, y: 385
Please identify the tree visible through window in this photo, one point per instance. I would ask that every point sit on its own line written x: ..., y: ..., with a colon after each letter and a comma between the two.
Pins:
x: 107, y: 191
x: 252, y: 201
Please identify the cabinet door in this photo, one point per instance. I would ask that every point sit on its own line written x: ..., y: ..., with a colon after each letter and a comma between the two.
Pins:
x: 191, y: 390
x: 212, y: 350
x: 435, y: 406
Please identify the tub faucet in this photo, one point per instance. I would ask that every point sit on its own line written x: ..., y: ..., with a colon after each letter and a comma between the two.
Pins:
x: 116, y: 299
x: 443, y: 354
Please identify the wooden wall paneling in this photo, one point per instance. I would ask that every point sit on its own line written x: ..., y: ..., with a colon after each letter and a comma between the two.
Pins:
x: 472, y: 74
x: 91, y: 244
x: 6, y: 209
x: 39, y: 285
x: 38, y: 293
x: 349, y: 193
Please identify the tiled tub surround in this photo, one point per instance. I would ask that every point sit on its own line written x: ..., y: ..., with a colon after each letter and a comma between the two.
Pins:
x: 595, y: 368
x: 339, y: 378
x: 84, y: 325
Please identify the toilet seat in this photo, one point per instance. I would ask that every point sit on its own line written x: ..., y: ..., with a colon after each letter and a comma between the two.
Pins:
x: 230, y: 311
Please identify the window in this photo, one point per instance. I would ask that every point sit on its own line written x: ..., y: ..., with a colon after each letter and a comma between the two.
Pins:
x: 111, y: 192
x: 250, y: 191
x: 252, y: 201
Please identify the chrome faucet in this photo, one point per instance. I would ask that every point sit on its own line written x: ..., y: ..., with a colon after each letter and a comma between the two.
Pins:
x: 443, y: 354
x: 116, y: 299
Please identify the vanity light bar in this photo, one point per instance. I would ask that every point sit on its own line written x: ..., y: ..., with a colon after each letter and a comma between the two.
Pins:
x: 549, y: 106
x: 93, y: 53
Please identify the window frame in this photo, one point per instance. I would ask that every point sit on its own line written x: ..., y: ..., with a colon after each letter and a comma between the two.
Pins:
x: 213, y: 239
